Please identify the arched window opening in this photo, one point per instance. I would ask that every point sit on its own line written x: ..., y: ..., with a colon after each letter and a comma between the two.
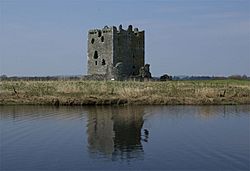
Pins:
x: 102, y: 39
x: 99, y: 33
x: 92, y: 40
x: 95, y: 62
x: 103, y: 62
x: 119, y: 42
x: 95, y: 55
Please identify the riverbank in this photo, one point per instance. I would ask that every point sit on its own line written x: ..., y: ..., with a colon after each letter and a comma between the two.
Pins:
x: 214, y: 92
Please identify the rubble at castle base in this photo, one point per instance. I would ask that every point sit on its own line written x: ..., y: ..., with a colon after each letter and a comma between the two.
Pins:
x: 144, y: 75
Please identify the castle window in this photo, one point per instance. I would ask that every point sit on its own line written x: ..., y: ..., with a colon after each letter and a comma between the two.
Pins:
x: 103, y: 62
x: 92, y: 40
x: 133, y: 67
x: 102, y: 39
x: 95, y: 62
x: 95, y: 55
x: 99, y: 33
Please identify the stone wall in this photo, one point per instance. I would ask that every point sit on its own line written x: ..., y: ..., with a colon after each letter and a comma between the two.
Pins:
x: 100, y: 50
x: 129, y: 50
x: 115, y: 53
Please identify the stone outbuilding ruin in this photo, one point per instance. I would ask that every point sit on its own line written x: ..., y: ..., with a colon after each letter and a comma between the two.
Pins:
x: 117, y: 54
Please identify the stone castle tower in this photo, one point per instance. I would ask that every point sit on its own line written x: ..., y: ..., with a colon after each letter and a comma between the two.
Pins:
x: 115, y: 53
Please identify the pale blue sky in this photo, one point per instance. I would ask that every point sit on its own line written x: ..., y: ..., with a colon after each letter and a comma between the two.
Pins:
x: 195, y: 37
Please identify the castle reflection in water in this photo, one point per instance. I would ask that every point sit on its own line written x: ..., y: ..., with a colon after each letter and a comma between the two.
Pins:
x: 111, y: 132
x: 116, y: 132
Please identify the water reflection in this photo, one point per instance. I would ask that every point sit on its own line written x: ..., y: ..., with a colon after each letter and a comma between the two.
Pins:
x: 101, y: 138
x: 199, y: 112
x: 116, y: 132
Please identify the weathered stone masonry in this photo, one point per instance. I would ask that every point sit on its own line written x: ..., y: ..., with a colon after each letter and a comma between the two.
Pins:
x: 116, y: 54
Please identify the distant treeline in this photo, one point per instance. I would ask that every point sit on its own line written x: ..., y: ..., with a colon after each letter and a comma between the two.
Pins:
x: 165, y: 77
x: 35, y: 78
x: 234, y: 77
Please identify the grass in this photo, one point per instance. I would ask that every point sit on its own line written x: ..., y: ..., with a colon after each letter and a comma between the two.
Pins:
x: 115, y: 92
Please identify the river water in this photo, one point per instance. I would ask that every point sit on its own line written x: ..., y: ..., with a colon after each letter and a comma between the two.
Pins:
x: 125, y: 138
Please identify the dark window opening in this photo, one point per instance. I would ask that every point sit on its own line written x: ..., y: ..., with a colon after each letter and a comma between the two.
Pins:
x: 95, y: 55
x: 133, y: 67
x: 95, y: 62
x: 102, y: 39
x: 103, y: 62
x: 133, y: 56
x: 99, y: 33
x: 92, y: 40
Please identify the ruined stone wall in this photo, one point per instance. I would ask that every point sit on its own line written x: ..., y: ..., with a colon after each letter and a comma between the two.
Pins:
x: 115, y: 53
x: 100, y: 50
x: 129, y: 50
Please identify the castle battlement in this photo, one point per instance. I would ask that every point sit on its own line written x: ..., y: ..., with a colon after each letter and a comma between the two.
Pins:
x: 107, y: 29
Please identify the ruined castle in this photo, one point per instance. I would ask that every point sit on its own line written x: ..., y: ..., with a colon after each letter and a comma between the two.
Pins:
x: 117, y: 53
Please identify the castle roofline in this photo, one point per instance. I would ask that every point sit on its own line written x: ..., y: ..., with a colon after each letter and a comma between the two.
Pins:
x: 129, y: 29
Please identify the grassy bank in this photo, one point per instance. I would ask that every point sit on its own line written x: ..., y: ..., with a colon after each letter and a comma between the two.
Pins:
x: 127, y: 92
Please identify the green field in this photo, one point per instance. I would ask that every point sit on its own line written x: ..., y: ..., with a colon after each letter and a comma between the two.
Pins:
x: 126, y: 92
